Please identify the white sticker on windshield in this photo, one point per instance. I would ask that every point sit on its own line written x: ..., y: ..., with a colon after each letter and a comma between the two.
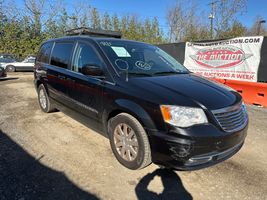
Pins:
x: 121, y: 52
x: 142, y: 65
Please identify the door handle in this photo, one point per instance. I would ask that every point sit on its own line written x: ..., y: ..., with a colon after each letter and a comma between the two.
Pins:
x: 61, y: 77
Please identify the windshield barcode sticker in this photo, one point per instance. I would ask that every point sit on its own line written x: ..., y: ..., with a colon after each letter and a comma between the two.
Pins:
x: 121, y: 52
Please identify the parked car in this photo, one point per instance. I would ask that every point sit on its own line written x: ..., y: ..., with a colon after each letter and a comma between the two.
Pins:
x: 3, y: 61
x: 25, y: 65
x: 2, y: 72
x: 30, y: 56
x: 9, y: 56
x: 151, y: 107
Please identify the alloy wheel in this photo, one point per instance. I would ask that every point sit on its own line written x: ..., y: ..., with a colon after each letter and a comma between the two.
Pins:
x: 126, y: 142
x: 42, y: 99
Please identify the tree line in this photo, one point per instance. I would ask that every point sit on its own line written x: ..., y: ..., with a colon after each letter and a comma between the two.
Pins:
x: 23, y: 30
x: 24, y: 27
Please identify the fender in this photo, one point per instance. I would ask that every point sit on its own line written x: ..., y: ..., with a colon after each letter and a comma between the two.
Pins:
x: 128, y: 106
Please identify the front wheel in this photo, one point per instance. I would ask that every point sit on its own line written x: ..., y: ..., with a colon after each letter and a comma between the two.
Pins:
x: 10, y: 68
x: 129, y: 141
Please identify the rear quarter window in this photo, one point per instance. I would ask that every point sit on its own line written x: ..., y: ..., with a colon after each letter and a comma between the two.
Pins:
x: 61, y: 54
x: 44, y: 53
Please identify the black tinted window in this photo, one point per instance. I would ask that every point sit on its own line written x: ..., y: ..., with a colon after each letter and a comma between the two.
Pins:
x: 44, y: 52
x: 61, y: 54
x: 85, y: 55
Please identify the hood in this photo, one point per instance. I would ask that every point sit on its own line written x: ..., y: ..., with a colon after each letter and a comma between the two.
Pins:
x: 188, y: 90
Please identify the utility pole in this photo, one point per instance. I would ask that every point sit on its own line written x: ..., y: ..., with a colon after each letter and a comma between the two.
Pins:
x: 211, y: 17
x: 259, y: 26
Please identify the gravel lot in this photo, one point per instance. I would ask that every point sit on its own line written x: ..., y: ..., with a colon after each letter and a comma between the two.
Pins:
x: 52, y: 156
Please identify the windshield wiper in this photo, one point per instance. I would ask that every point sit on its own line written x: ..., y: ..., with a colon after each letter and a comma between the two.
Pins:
x: 167, y: 72
x: 139, y: 74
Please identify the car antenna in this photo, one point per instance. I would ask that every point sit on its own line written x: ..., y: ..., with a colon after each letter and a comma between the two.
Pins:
x: 127, y: 75
x: 127, y: 71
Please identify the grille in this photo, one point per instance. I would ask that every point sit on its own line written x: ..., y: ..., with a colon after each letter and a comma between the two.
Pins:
x: 232, y: 118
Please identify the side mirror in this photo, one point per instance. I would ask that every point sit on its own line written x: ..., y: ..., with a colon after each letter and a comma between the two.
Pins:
x: 92, y: 70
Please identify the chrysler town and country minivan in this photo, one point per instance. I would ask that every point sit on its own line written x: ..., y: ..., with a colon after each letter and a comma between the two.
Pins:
x: 151, y: 107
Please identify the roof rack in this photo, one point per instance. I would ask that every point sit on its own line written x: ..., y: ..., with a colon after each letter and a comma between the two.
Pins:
x: 93, y: 32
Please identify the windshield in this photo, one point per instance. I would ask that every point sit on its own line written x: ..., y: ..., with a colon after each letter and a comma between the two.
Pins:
x: 140, y: 59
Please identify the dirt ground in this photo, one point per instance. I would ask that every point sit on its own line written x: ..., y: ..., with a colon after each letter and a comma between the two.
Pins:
x: 52, y: 156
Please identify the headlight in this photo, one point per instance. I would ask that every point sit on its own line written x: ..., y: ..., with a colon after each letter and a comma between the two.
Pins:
x: 183, y: 116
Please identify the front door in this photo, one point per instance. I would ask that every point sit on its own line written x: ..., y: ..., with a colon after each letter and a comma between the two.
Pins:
x: 86, y: 91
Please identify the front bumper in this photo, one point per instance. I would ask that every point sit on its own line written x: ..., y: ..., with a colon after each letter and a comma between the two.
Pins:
x: 195, y: 147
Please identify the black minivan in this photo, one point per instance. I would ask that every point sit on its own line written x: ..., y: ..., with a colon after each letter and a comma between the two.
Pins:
x: 150, y: 107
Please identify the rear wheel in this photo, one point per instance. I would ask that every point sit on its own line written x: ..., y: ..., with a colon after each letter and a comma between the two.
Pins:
x: 129, y: 141
x: 44, y: 101
x: 10, y: 68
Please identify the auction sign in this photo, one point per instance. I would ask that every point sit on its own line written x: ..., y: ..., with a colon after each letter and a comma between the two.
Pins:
x: 236, y: 58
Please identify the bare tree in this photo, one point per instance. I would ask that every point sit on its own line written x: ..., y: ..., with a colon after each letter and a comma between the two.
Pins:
x: 175, y: 20
x: 226, y: 12
x: 184, y: 22
x: 10, y: 9
x: 41, y: 12
x: 81, y: 14
x: 187, y: 23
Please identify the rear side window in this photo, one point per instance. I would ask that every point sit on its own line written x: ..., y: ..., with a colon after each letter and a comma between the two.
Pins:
x: 43, y: 55
x: 61, y: 54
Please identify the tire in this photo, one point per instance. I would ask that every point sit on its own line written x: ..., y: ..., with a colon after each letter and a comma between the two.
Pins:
x: 10, y: 68
x: 44, y: 100
x: 127, y: 137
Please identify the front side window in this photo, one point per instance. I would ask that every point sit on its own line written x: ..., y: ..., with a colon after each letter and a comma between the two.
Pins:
x: 44, y: 53
x: 85, y: 55
x: 61, y: 54
x: 140, y: 58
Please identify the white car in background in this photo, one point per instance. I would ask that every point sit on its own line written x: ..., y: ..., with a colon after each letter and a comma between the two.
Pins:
x: 25, y: 65
x: 4, y: 61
